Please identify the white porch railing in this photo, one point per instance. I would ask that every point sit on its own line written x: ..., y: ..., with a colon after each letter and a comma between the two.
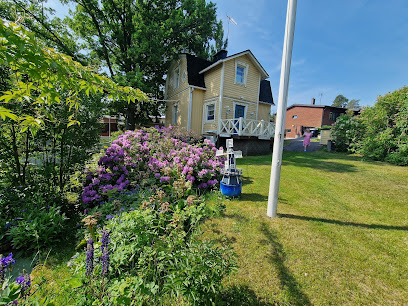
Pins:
x: 244, y: 127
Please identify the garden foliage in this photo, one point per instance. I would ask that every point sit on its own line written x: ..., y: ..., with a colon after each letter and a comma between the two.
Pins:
x: 151, y: 157
x: 31, y: 218
x: 380, y: 132
x: 11, y: 293
x: 149, y: 251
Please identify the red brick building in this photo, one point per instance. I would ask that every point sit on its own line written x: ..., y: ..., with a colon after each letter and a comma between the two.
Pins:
x: 299, y: 117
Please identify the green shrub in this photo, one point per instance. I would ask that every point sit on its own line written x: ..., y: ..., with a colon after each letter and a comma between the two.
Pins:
x: 346, y: 132
x: 155, y: 256
x: 32, y: 218
x: 380, y: 132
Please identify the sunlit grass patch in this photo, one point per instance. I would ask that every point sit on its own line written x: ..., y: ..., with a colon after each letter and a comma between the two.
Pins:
x: 340, y: 236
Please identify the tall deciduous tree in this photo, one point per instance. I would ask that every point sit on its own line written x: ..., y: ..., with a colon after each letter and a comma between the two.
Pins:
x: 135, y: 40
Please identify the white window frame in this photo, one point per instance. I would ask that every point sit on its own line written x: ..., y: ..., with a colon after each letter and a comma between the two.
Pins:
x: 176, y: 77
x: 207, y: 105
x: 174, y: 113
x: 246, y: 68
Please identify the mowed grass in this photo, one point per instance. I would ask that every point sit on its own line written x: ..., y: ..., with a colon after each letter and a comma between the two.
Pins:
x: 341, y: 235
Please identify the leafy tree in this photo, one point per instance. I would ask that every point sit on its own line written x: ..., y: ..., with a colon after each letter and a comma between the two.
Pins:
x: 33, y: 15
x: 354, y: 103
x: 134, y: 41
x: 340, y: 101
x: 43, y: 88
x: 40, y: 75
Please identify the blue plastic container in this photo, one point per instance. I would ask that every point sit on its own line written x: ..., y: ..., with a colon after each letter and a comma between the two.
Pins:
x: 231, y: 190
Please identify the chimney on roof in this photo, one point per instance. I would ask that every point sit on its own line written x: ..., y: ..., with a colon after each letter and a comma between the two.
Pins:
x: 220, y: 55
x: 313, y: 101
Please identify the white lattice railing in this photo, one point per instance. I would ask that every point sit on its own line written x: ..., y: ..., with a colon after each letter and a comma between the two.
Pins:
x: 244, y: 127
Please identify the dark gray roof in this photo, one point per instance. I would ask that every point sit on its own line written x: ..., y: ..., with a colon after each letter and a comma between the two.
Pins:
x: 316, y: 106
x: 194, y: 66
x: 265, y: 92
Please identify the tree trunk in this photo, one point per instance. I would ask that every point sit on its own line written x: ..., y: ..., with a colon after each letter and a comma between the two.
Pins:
x: 130, y: 117
x: 15, y: 155
x: 27, y: 155
x: 61, y: 169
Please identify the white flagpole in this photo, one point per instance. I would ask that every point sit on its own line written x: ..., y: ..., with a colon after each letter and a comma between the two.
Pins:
x: 281, y: 112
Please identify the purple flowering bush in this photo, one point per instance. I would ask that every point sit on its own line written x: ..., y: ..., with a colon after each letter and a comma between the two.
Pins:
x: 151, y: 157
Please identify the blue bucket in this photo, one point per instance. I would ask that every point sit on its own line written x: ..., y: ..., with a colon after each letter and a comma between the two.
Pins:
x: 231, y: 190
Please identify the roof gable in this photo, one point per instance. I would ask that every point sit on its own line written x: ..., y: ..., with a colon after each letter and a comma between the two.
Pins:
x: 247, y: 52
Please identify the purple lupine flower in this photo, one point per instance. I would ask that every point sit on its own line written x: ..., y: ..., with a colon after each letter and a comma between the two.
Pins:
x: 25, y: 282
x: 6, y: 261
x: 20, y: 279
x: 105, y: 252
x: 109, y: 217
x: 89, y: 257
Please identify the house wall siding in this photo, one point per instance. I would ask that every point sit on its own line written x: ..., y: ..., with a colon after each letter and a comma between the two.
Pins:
x: 326, y: 115
x: 170, y: 90
x: 249, y: 92
x: 197, y: 111
x: 264, y: 112
x: 182, y: 101
x: 228, y: 103
x: 212, y: 81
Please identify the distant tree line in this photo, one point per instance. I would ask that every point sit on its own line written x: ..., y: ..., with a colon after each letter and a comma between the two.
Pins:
x: 342, y: 101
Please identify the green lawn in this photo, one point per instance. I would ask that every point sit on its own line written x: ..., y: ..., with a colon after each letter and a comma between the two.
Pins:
x: 341, y: 236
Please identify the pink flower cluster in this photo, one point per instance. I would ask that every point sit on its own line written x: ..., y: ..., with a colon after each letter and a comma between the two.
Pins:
x: 155, y: 152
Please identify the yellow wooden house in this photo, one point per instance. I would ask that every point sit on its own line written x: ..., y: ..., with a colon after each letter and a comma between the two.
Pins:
x: 229, y: 97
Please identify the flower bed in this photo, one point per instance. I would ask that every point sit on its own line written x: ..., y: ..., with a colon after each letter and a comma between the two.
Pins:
x: 151, y: 156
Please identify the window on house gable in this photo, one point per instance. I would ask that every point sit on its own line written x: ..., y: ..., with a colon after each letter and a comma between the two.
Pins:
x: 241, y: 72
x: 176, y: 77
x: 210, y: 112
x: 239, y: 77
x: 294, y: 117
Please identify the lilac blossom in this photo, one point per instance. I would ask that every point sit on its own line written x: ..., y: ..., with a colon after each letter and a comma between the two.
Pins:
x: 154, y: 152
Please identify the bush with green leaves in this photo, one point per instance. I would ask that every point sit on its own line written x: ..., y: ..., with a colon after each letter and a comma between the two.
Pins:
x: 32, y: 218
x: 380, y: 132
x: 346, y: 133
x: 155, y: 253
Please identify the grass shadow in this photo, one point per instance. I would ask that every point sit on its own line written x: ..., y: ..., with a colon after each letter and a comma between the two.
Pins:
x: 317, y: 161
x: 239, y: 295
x: 346, y: 223
x: 277, y: 258
x: 246, y: 180
x: 253, y: 197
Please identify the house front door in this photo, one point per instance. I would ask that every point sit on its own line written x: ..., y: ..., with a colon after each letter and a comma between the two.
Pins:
x: 239, y: 112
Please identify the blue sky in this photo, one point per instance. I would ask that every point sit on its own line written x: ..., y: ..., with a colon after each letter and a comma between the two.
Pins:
x: 358, y: 48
